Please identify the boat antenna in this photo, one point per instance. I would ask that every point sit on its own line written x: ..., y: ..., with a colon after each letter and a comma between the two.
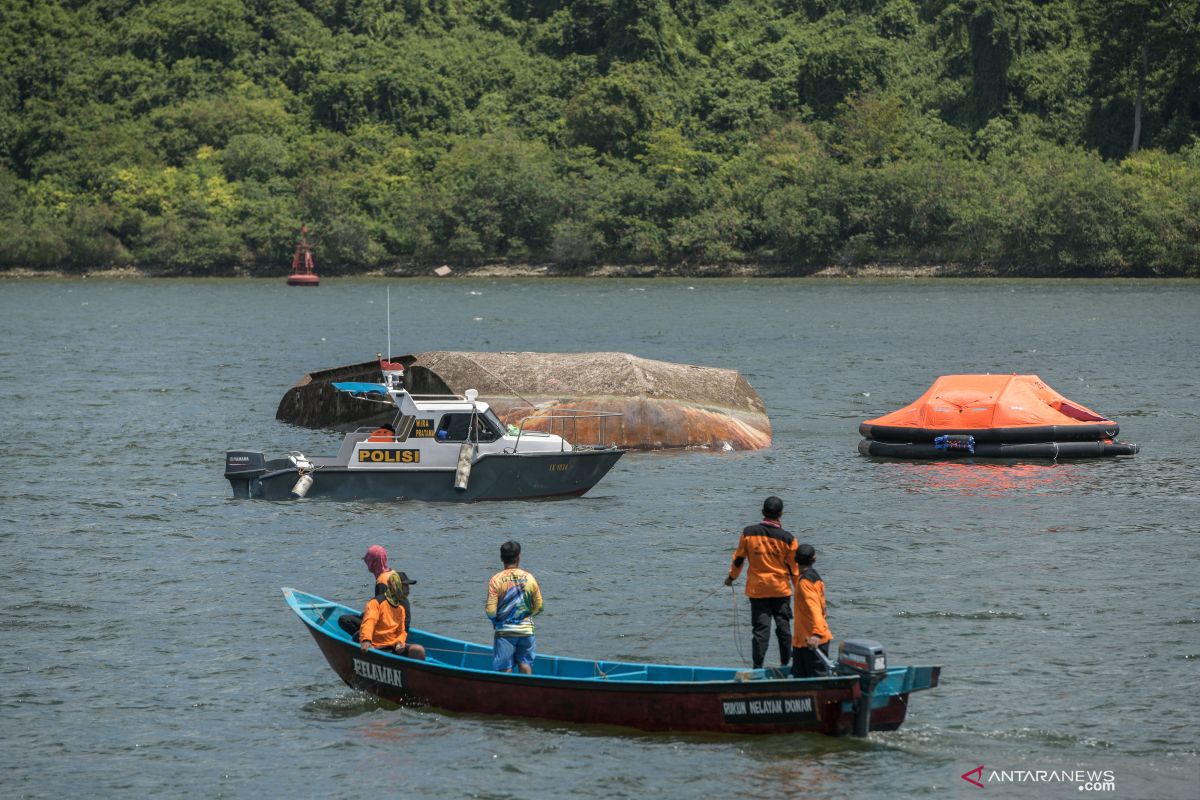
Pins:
x: 389, y: 322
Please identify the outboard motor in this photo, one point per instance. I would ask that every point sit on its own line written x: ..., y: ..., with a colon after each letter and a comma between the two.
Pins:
x: 866, y: 659
x: 242, y: 467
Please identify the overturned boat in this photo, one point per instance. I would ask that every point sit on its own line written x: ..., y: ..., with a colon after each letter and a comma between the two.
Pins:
x: 661, y: 405
x: 438, y: 448
x: 864, y: 693
x: 992, y: 416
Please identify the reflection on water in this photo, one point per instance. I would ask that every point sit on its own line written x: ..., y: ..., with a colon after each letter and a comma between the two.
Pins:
x: 972, y: 479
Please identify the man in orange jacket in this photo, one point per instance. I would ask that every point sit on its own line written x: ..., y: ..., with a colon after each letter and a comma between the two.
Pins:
x: 812, y: 631
x: 771, y: 552
x: 384, y: 623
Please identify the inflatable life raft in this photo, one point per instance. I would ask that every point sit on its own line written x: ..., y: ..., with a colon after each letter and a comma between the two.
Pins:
x: 992, y: 416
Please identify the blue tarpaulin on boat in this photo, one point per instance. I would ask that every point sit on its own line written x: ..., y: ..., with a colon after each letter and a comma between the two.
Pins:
x: 356, y: 388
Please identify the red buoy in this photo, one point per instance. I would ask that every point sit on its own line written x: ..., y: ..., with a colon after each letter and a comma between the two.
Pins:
x: 303, y: 268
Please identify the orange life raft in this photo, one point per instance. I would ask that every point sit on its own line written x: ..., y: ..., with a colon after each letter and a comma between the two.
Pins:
x: 992, y: 416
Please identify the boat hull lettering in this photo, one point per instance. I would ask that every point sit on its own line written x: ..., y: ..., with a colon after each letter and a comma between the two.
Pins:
x: 382, y: 456
x: 768, y: 709
x: 378, y: 673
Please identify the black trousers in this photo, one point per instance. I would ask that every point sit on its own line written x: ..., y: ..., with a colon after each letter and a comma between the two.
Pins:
x: 762, y: 611
x: 350, y: 623
x: 807, y: 664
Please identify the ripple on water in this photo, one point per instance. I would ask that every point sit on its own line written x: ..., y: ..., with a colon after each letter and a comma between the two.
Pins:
x: 968, y: 615
x: 166, y: 588
x: 343, y: 705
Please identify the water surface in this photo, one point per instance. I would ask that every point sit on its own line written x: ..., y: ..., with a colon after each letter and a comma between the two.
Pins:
x: 148, y: 652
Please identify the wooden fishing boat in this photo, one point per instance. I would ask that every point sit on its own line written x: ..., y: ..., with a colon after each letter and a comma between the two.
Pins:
x: 865, y: 694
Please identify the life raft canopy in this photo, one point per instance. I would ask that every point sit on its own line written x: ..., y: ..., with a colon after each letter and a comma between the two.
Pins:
x: 1009, y: 410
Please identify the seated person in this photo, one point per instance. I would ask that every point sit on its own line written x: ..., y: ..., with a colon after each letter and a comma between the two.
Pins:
x: 376, y: 559
x: 384, y: 433
x: 384, y: 626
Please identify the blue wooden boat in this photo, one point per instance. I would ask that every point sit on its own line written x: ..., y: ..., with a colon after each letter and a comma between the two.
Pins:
x: 863, y: 694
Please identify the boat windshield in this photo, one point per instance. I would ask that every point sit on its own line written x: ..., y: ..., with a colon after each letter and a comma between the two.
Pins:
x: 493, y: 420
x: 454, y: 427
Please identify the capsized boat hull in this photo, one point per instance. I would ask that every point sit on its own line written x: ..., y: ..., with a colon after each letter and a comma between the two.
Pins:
x: 506, y: 476
x: 457, y: 677
x: 662, y: 405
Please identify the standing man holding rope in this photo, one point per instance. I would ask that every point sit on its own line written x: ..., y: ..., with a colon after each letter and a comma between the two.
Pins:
x: 770, y: 575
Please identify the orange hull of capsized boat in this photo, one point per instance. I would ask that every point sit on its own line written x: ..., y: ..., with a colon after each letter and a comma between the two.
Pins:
x: 644, y: 424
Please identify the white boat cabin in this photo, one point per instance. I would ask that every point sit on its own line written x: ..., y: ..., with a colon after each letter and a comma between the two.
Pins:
x: 429, y: 431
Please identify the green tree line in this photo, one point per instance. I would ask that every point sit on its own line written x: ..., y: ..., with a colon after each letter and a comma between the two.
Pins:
x: 1022, y: 136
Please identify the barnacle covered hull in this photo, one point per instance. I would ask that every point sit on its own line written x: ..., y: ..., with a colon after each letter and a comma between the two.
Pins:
x: 663, y: 405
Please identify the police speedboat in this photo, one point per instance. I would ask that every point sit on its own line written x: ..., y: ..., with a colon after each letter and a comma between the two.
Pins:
x: 439, y: 448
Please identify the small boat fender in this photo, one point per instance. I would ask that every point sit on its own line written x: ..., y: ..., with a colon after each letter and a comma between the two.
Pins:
x: 305, y: 468
x: 302, y: 485
x: 462, y: 475
x: 466, y: 453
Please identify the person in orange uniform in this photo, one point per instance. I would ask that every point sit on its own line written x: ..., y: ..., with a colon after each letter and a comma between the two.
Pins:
x: 770, y: 551
x: 812, y: 630
x: 376, y: 559
x: 384, y: 626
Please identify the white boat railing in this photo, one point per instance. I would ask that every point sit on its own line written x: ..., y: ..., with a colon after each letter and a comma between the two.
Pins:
x: 572, y: 418
x: 439, y: 397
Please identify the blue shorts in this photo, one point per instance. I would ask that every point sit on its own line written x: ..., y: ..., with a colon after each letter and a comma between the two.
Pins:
x: 508, y: 651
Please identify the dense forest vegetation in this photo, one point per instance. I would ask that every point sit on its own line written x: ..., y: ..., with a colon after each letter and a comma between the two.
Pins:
x: 1035, y: 137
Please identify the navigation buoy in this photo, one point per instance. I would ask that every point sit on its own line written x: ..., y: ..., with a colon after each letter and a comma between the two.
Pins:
x: 303, y: 269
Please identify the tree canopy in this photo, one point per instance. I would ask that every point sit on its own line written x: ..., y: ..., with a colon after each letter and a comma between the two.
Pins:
x: 1027, y: 136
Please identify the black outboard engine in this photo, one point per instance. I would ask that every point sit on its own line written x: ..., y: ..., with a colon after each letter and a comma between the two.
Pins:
x: 866, y: 659
x: 241, y: 467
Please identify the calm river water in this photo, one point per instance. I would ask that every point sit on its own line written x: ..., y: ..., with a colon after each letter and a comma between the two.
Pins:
x: 147, y: 650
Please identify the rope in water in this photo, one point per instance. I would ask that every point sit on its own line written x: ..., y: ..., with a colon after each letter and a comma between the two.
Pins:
x: 737, y: 633
x: 669, y: 623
